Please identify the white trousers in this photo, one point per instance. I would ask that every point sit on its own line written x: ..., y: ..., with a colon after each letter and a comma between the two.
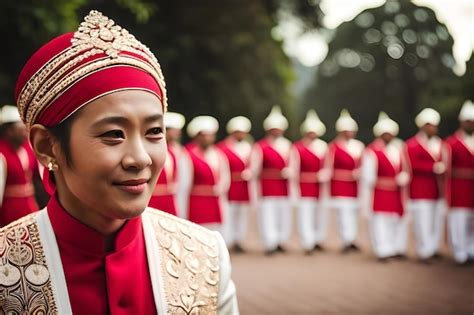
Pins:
x: 235, y: 225
x: 312, y: 222
x: 428, y: 219
x: 274, y: 221
x: 461, y: 233
x: 347, y: 219
x: 388, y: 234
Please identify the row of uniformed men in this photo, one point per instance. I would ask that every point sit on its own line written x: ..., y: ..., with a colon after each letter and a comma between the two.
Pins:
x: 214, y: 185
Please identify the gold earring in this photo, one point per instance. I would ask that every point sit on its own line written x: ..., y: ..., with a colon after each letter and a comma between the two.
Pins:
x: 53, y: 165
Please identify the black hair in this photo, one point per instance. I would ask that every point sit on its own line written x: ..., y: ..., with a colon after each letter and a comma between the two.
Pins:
x: 62, y: 133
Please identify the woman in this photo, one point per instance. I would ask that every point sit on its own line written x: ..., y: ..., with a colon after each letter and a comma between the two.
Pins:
x: 93, y: 103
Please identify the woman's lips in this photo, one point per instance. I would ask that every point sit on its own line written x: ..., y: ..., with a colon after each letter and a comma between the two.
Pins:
x: 133, y: 186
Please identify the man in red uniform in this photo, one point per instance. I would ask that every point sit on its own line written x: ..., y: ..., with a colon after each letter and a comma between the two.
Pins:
x: 459, y: 149
x: 344, y: 157
x: 18, y: 166
x: 425, y: 192
x: 164, y: 195
x: 269, y: 165
x: 309, y: 185
x: 204, y: 176
x: 383, y: 180
x: 237, y: 150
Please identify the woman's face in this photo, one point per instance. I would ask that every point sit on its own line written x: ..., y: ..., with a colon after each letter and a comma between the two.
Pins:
x: 117, y: 150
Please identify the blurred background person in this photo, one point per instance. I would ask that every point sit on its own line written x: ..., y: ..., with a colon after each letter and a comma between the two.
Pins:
x: 237, y: 149
x: 309, y: 189
x: 459, y: 156
x: 269, y: 165
x: 426, y: 186
x: 18, y: 168
x: 344, y: 157
x: 204, y: 176
x: 383, y: 181
x: 164, y: 194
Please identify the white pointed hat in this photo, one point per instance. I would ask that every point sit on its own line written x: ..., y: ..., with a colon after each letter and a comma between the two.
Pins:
x: 275, y: 120
x: 467, y: 111
x: 312, y: 123
x: 345, y: 122
x: 385, y: 125
x: 174, y: 120
x: 9, y: 114
x: 202, y: 124
x: 427, y: 116
x: 239, y: 123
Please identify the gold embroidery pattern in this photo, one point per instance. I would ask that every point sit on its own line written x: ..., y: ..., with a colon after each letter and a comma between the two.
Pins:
x: 189, y: 257
x: 25, y: 284
x: 97, y: 35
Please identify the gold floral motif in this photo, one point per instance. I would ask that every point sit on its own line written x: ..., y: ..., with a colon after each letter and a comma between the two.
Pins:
x: 97, y: 35
x: 190, y: 274
x: 25, y: 284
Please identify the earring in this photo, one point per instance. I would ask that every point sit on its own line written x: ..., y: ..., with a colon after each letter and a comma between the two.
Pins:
x: 53, y: 165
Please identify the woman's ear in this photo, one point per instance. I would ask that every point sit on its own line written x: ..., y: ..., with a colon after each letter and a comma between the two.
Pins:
x: 43, y: 144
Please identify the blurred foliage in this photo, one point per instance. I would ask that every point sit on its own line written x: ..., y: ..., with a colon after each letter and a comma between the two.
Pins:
x: 218, y: 57
x: 397, y: 58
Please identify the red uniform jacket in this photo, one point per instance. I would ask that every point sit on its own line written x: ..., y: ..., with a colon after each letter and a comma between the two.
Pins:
x: 460, y: 183
x: 19, y: 196
x: 271, y: 180
x: 164, y: 195
x: 204, y: 205
x: 239, y: 187
x: 425, y: 184
x: 100, y: 281
x: 343, y: 182
x: 310, y: 165
x: 387, y: 195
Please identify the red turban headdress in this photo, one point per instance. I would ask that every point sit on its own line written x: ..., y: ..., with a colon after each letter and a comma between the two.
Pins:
x: 74, y: 69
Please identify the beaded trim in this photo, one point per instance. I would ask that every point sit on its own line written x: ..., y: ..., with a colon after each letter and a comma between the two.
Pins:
x: 97, y: 35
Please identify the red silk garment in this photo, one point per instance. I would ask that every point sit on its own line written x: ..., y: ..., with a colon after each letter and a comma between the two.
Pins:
x: 239, y: 187
x: 271, y: 181
x: 19, y: 195
x: 101, y: 282
x: 204, y: 206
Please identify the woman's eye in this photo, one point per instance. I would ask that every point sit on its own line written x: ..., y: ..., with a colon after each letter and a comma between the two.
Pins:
x: 157, y: 131
x: 116, y: 134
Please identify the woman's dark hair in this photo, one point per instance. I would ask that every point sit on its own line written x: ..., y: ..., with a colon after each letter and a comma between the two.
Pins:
x: 62, y: 132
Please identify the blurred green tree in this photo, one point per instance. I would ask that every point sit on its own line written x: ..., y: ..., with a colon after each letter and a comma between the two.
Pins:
x: 397, y: 58
x: 218, y: 58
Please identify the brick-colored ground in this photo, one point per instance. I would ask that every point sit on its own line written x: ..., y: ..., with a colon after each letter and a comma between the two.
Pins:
x: 355, y: 283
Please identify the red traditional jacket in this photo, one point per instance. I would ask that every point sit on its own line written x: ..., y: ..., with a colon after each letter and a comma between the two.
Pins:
x: 310, y: 165
x: 344, y: 165
x: 164, y: 194
x: 19, y: 195
x: 460, y: 173
x: 100, y: 281
x: 239, y: 187
x: 204, y: 205
x: 425, y: 184
x: 387, y: 194
x: 272, y: 181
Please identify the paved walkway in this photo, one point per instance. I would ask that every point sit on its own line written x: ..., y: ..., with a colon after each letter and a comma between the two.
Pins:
x: 355, y: 283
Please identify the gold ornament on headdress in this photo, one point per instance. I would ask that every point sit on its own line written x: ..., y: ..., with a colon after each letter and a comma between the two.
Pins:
x: 96, y: 35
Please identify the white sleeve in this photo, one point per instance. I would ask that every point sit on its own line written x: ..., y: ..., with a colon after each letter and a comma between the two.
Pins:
x: 255, y: 168
x: 227, y: 298
x: 224, y: 175
x: 294, y: 166
x: 185, y: 177
x: 367, y: 182
x: 3, y: 177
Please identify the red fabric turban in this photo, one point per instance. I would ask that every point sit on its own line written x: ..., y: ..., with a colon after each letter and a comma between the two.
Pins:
x: 74, y: 69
